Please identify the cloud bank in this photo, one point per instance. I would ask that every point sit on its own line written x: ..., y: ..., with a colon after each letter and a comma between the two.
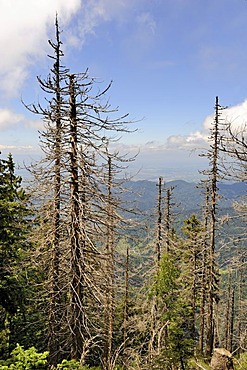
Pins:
x: 9, y: 120
x: 24, y: 29
x: 235, y: 115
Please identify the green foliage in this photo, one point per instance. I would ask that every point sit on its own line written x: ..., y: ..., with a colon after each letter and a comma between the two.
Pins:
x: 192, y: 226
x: 14, y: 243
x: 69, y: 365
x: 167, y: 275
x: 4, y: 333
x: 176, y: 315
x: 13, y: 231
x: 241, y: 362
x: 22, y: 359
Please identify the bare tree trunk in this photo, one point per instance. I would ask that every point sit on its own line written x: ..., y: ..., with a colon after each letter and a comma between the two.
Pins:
x: 159, y: 222
x: 126, y: 306
x: 212, y: 228
x: 240, y: 313
x: 229, y: 314
x: 154, y: 308
x: 194, y: 292
x: 109, y: 309
x: 126, y: 295
x: 202, y: 305
x: 77, y: 263
x: 231, y: 328
x: 204, y: 284
x: 54, y: 325
x: 168, y: 219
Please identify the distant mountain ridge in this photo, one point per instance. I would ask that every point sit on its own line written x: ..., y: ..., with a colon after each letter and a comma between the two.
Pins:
x: 187, y: 195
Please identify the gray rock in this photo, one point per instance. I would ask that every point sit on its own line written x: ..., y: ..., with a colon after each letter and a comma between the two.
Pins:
x: 221, y: 360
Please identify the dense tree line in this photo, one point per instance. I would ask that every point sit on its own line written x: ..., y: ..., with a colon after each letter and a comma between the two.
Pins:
x: 81, y: 281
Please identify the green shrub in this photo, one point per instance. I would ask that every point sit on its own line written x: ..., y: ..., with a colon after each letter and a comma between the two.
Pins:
x: 70, y: 365
x: 22, y: 359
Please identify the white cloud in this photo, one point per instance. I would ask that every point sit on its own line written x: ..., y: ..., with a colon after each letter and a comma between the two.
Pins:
x: 10, y: 119
x: 18, y: 148
x: 236, y: 115
x: 26, y: 25
x: 21, y: 153
x: 195, y: 140
x: 23, y: 36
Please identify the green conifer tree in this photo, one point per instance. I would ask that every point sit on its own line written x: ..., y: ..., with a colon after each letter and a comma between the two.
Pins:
x: 13, y: 242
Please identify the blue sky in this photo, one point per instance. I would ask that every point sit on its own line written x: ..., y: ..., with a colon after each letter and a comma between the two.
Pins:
x: 168, y: 59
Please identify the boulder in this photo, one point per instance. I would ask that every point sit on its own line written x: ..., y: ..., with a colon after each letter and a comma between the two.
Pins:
x: 221, y: 360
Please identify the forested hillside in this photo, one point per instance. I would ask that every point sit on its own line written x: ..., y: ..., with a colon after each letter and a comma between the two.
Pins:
x: 102, y: 273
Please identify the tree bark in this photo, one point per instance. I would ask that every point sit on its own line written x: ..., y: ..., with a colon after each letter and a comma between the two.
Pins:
x: 76, y: 244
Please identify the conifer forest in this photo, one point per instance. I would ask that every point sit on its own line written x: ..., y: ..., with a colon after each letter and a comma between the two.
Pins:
x: 88, y: 280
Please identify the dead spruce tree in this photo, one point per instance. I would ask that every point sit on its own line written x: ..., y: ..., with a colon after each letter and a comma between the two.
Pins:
x: 154, y: 314
x: 110, y: 271
x: 213, y: 176
x: 169, y: 220
x: 112, y: 225
x: 203, y: 279
x: 54, y: 313
x: 119, y: 287
x: 77, y: 236
x: 75, y: 140
x: 160, y: 227
x: 48, y: 183
x: 229, y: 313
